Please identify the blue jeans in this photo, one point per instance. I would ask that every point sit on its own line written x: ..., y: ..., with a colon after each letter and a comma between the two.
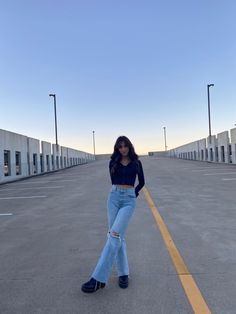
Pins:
x: 120, y: 207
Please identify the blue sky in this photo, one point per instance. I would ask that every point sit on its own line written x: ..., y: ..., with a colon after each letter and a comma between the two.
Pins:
x: 119, y: 68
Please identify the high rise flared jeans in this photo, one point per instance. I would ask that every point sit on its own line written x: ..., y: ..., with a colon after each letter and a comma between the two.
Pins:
x: 120, y: 207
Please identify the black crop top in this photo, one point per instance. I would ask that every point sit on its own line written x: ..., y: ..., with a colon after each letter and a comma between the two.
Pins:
x: 127, y: 174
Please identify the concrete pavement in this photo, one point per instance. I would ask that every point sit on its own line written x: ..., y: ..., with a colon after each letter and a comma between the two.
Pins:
x: 55, y: 226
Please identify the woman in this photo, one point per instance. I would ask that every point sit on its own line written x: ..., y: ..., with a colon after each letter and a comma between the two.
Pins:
x: 124, y: 166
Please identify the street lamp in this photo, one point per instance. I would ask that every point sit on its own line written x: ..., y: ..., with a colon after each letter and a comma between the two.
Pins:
x: 165, y: 137
x: 209, y: 110
x: 94, y: 144
x: 55, y: 113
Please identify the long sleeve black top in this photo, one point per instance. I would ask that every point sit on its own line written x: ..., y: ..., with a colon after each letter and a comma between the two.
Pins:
x: 121, y: 174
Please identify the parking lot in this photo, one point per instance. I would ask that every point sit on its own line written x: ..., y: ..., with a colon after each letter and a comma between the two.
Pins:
x: 53, y: 227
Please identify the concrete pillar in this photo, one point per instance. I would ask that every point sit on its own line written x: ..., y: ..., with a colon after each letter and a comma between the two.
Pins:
x: 69, y: 157
x: 64, y: 156
x: 56, y: 153
x: 202, y: 149
x: 15, y: 144
x: 46, y: 155
x: 212, y: 148
x: 1, y: 158
x: 34, y: 155
x: 223, y: 146
x: 233, y: 144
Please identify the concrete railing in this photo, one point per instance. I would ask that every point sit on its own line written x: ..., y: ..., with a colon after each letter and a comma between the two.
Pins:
x: 217, y: 148
x: 22, y: 156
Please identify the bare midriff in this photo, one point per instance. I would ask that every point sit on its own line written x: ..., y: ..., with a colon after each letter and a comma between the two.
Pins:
x: 124, y: 186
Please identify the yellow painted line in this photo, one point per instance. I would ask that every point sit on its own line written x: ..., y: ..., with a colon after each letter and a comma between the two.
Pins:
x: 192, y: 291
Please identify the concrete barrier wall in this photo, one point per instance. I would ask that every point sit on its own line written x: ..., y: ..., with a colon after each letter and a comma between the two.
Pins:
x: 33, y: 156
x: 72, y: 155
x: 13, y: 151
x: 64, y: 155
x: 223, y: 146
x: 212, y: 148
x: 46, y: 160
x: 158, y: 154
x: 233, y: 144
x: 220, y: 148
x: 56, y: 157
x: 20, y: 156
x: 82, y: 157
x: 202, y: 151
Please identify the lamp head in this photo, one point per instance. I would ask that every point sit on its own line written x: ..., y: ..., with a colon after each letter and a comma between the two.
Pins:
x: 210, y: 85
x: 53, y: 95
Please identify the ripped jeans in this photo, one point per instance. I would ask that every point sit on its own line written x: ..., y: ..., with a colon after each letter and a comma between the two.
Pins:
x: 120, y: 207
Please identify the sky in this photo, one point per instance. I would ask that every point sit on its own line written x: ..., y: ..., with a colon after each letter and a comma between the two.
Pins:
x: 127, y: 67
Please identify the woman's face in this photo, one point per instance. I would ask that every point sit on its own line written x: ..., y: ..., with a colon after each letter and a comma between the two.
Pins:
x: 123, y: 149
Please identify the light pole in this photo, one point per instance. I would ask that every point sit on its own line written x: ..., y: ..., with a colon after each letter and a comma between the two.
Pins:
x: 55, y: 113
x: 209, y: 109
x: 94, y: 144
x: 165, y: 137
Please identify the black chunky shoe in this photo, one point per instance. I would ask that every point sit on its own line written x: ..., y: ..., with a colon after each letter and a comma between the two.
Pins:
x: 123, y: 281
x: 92, y: 285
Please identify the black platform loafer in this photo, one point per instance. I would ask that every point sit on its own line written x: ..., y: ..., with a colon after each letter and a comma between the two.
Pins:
x: 123, y: 281
x: 92, y: 285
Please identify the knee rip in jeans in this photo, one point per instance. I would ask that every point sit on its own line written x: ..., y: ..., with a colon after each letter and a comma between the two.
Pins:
x: 114, y: 234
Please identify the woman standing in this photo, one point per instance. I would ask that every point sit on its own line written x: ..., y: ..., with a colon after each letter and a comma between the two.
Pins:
x: 124, y: 166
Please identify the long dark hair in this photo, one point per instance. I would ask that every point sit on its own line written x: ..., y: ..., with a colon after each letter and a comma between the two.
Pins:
x: 116, y: 156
